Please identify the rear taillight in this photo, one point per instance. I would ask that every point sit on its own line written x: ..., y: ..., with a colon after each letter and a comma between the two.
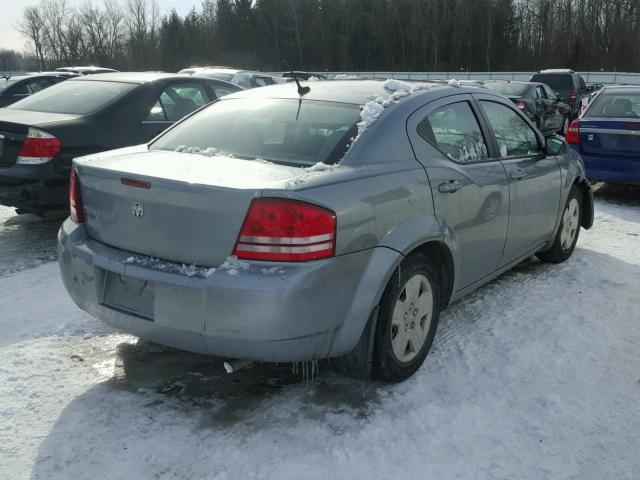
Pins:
x: 573, y: 96
x: 39, y: 147
x: 520, y: 104
x: 75, y: 198
x: 284, y: 230
x: 573, y: 133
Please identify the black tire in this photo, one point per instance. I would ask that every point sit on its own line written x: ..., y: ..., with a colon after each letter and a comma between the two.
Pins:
x: 561, y: 250
x: 386, y: 364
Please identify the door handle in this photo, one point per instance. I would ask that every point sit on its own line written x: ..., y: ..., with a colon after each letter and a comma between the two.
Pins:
x: 450, y: 186
x: 518, y: 174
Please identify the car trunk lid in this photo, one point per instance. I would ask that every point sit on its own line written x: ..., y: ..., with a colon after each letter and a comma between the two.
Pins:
x: 611, y: 137
x: 178, y: 207
x: 14, y: 126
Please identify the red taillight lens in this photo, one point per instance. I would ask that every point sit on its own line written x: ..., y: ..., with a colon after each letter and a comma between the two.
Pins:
x: 520, y: 104
x: 573, y: 96
x: 75, y: 198
x: 39, y: 147
x: 283, y: 230
x: 573, y: 133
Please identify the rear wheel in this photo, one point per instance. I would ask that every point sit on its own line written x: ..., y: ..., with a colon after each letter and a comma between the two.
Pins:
x: 567, y: 235
x: 407, y: 321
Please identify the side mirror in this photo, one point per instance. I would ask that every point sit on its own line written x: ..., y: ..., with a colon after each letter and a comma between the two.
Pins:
x: 555, y: 145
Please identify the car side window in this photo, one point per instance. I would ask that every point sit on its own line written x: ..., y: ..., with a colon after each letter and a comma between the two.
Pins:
x: 514, y: 135
x: 455, y: 131
x: 21, y: 89
x: 222, y: 91
x: 261, y: 81
x: 177, y: 101
x: 540, y: 93
x: 549, y: 92
x: 38, y: 84
x: 583, y: 86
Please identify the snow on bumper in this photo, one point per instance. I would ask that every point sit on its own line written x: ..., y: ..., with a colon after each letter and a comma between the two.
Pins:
x: 288, y: 313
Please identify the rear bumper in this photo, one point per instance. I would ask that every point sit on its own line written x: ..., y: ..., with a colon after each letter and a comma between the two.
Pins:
x: 34, y: 188
x: 611, y: 169
x: 297, y: 312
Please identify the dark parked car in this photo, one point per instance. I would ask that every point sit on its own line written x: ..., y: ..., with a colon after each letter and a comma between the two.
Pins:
x: 567, y: 84
x: 607, y: 136
x: 538, y: 102
x: 40, y: 135
x: 13, y: 89
x: 86, y: 70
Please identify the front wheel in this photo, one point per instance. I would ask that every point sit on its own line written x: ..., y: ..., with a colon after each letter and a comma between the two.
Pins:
x: 567, y: 235
x: 407, y: 322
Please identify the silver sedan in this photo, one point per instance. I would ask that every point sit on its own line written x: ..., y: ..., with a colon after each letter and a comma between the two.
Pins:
x: 330, y: 219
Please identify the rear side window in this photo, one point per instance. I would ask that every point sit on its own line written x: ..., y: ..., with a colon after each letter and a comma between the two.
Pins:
x: 177, y: 101
x: 556, y: 81
x: 514, y: 135
x: 620, y: 104
x: 454, y: 130
x: 74, y: 97
x: 278, y: 130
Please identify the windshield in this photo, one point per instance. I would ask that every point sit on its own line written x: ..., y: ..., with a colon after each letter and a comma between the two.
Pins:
x: 621, y: 104
x: 4, y: 83
x: 74, y: 97
x: 555, y: 81
x: 279, y: 130
x: 509, y: 89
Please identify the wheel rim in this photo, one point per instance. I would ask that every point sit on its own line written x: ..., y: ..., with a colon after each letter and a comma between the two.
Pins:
x: 565, y: 126
x: 411, y: 320
x: 570, y: 224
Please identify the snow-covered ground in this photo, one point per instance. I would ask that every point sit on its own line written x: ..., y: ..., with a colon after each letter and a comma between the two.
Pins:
x: 535, y: 376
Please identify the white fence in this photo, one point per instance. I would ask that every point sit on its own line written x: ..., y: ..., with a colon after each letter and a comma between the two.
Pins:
x: 606, y: 78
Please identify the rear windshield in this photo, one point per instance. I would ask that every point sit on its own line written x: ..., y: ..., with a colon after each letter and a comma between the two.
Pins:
x: 278, y: 130
x: 626, y: 105
x: 4, y: 84
x: 556, y: 81
x: 503, y: 88
x: 74, y: 97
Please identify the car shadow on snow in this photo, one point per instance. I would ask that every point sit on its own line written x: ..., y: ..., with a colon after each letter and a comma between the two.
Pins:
x: 156, y: 393
x: 26, y: 241
x: 622, y: 195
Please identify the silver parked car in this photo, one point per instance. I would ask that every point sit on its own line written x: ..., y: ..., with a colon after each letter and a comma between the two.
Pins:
x: 281, y: 225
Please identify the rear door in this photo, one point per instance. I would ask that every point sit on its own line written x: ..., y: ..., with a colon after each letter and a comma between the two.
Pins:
x: 470, y: 190
x: 177, y: 100
x: 534, y: 179
x: 551, y: 117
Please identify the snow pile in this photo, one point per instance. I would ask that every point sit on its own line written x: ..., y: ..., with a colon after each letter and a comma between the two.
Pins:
x: 313, y: 79
x: 453, y: 83
x: 233, y: 266
x: 308, y: 173
x: 342, y: 76
x: 209, y: 151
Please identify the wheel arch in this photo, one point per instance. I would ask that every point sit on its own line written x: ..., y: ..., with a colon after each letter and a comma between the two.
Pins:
x: 587, y: 202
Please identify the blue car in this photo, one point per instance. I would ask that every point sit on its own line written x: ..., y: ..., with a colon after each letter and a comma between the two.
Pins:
x: 607, y: 136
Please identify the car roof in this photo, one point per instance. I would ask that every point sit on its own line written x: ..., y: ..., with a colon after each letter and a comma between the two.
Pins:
x: 622, y: 88
x: 84, y: 69
x: 342, y: 91
x: 129, y: 77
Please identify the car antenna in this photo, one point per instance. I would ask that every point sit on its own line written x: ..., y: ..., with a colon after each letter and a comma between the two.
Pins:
x: 302, y: 91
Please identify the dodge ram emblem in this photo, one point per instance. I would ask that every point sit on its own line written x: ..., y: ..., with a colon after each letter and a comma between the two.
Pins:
x: 137, y: 209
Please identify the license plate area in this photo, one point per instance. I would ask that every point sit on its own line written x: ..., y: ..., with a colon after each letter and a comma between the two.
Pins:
x: 129, y: 295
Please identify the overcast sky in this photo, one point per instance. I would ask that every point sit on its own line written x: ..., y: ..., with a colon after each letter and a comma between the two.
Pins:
x: 10, y: 11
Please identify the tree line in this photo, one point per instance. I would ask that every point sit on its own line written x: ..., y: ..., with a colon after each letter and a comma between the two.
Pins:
x: 338, y: 35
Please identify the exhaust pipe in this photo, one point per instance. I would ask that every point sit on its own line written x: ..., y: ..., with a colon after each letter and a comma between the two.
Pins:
x: 232, y: 366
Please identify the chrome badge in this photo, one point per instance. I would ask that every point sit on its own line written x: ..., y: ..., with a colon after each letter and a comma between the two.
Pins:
x: 137, y: 208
